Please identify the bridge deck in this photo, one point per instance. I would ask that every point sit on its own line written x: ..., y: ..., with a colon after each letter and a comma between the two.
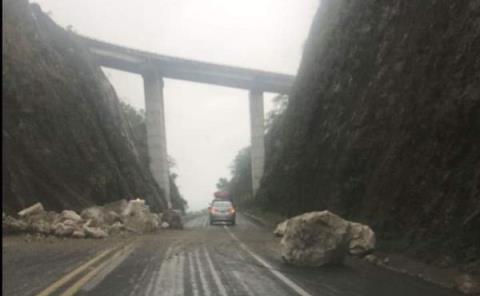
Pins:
x: 137, y: 61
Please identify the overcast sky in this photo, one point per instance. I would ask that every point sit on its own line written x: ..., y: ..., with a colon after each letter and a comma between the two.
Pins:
x: 206, y: 125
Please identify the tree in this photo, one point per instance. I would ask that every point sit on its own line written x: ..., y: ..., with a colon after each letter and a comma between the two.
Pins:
x: 136, y: 120
x: 171, y: 162
x: 222, y: 184
x: 240, y: 186
x: 280, y: 104
x: 241, y: 163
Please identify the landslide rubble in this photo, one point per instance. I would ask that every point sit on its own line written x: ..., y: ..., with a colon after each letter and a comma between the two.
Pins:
x: 321, y: 238
x: 94, y: 222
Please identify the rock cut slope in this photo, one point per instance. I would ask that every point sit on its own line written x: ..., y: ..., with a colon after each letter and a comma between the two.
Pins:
x: 66, y: 142
x: 383, y: 124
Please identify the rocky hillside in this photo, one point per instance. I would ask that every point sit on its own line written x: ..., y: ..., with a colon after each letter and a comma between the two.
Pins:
x: 383, y: 124
x: 65, y: 139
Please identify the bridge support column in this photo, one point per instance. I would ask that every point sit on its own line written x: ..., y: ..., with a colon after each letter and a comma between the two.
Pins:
x: 257, y: 151
x: 156, y: 134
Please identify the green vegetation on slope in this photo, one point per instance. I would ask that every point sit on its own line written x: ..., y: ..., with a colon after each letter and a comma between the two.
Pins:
x: 136, y: 121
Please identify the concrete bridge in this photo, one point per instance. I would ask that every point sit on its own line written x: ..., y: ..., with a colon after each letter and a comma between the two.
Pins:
x: 154, y: 67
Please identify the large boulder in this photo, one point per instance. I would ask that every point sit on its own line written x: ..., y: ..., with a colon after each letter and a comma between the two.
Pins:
x: 320, y: 238
x: 315, y: 239
x: 104, y: 216
x: 138, y: 218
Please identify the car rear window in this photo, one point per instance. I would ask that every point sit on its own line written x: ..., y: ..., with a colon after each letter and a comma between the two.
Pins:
x: 222, y: 204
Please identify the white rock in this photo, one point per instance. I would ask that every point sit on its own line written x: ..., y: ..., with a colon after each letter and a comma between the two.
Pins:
x: 319, y: 238
x: 165, y: 225
x: 138, y: 218
x: 95, y: 214
x: 370, y: 258
x: 36, y: 208
x: 118, y: 225
x: 134, y: 206
x: 40, y: 226
x: 70, y: 215
x: 315, y: 239
x: 116, y: 228
x: 94, y: 232
x: 71, y: 223
x: 117, y: 206
x: 111, y: 217
x: 362, y: 239
x: 12, y: 225
x: 62, y: 229
x: 280, y: 229
x: 79, y: 233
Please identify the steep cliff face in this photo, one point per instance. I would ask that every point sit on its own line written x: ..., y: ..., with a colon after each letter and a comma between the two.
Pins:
x: 65, y: 139
x: 383, y: 124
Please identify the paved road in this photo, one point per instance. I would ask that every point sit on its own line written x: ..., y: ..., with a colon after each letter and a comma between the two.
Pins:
x: 200, y: 260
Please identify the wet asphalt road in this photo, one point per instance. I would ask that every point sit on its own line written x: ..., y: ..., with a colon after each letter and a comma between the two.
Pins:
x: 200, y: 260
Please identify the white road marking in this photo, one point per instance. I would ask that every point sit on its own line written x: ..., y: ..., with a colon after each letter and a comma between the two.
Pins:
x: 276, y: 273
x: 180, y: 274
x: 170, y: 276
x: 243, y: 284
x: 155, y: 276
x: 203, y: 280
x: 193, y: 279
x: 216, y: 277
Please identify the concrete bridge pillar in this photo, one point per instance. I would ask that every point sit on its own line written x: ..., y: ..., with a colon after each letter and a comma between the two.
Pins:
x: 257, y: 138
x: 156, y: 134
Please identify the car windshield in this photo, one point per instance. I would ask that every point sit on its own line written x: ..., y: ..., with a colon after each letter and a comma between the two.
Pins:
x: 222, y: 204
x: 241, y: 148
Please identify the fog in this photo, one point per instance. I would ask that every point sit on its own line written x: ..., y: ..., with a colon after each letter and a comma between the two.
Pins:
x: 206, y: 125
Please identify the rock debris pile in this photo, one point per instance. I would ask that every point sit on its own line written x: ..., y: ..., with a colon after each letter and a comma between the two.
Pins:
x: 94, y: 222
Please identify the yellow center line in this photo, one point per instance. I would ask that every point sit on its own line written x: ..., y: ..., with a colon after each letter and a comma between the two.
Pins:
x: 82, y: 281
x: 62, y: 281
